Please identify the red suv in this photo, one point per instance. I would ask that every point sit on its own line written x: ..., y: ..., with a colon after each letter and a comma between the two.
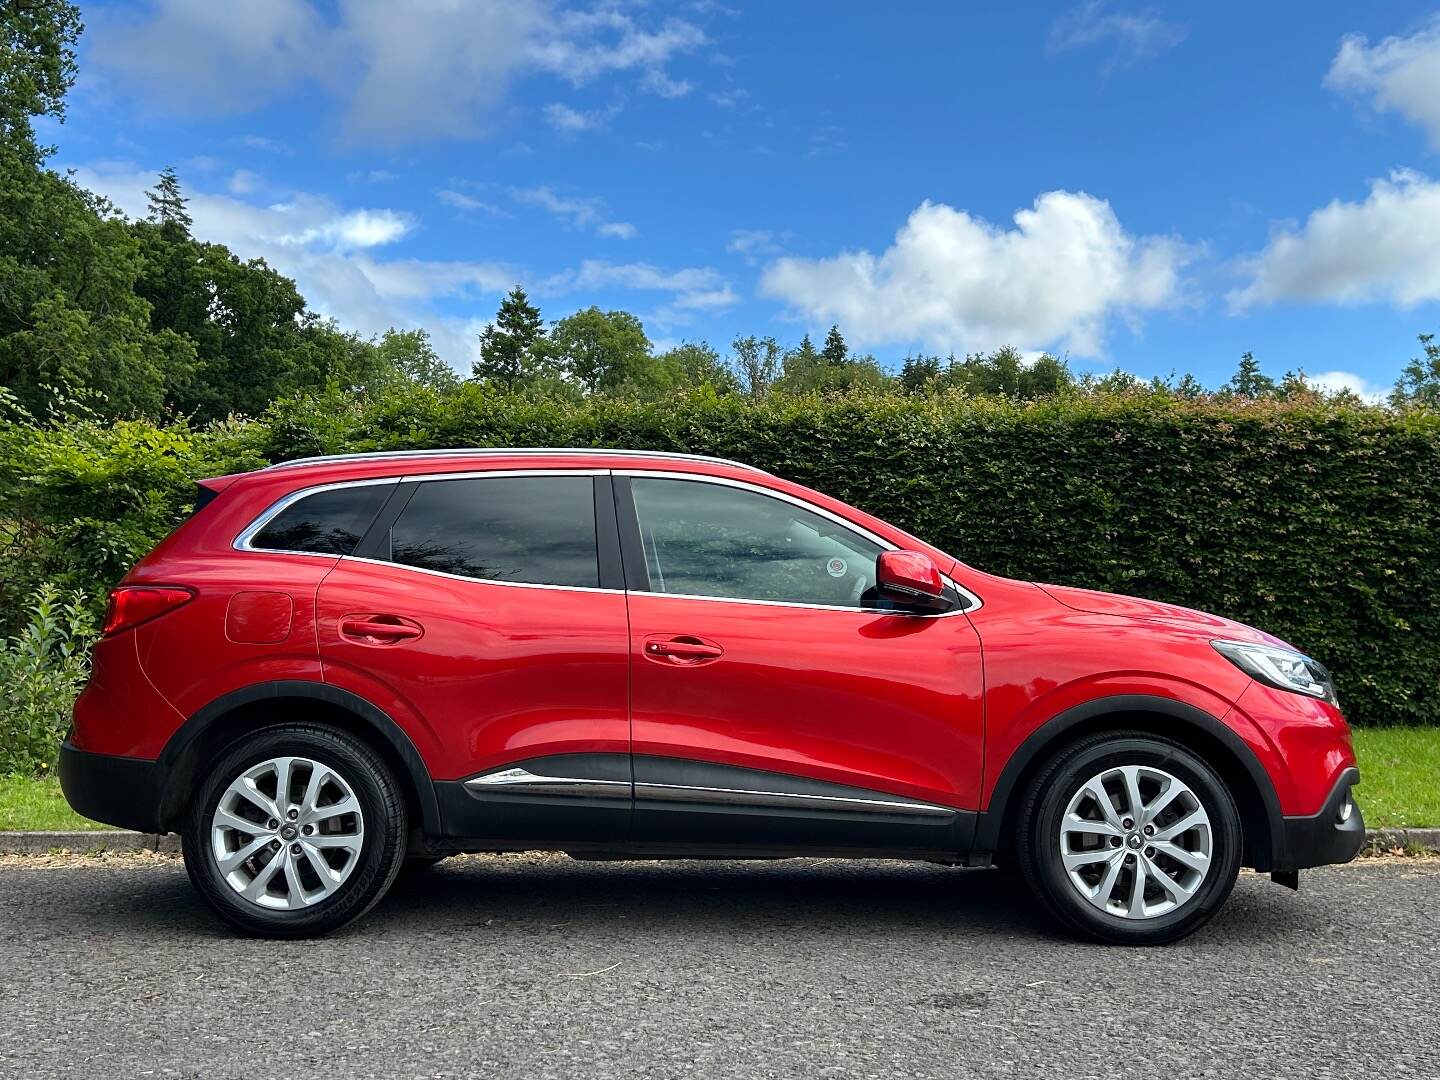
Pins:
x: 342, y: 663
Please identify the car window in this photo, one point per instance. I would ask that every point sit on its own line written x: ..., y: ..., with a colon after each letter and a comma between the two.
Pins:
x: 325, y: 523
x: 703, y: 539
x: 537, y: 530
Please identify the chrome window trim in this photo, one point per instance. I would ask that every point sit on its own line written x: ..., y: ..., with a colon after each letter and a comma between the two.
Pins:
x: 242, y: 542
x: 970, y: 602
x: 514, y: 451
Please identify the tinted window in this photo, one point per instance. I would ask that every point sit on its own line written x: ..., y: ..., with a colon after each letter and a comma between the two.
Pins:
x: 535, y: 529
x: 327, y: 523
x: 711, y: 540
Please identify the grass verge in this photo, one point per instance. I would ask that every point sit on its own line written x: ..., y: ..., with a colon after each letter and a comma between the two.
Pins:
x: 1399, y: 769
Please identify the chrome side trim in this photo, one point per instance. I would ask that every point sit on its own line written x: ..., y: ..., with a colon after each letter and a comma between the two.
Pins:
x: 969, y: 601
x: 517, y: 781
x: 739, y: 797
x: 514, y: 451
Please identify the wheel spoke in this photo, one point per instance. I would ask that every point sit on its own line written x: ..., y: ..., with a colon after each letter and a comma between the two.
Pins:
x: 282, y: 783
x: 347, y: 805
x: 1096, y: 790
x: 1184, y: 825
x: 1183, y: 857
x: 329, y: 877
x: 1134, y: 806
x: 225, y: 818
x: 246, y: 789
x: 342, y: 841
x: 1075, y: 860
x: 318, y: 775
x: 1178, y: 893
x: 1169, y: 794
x: 1106, y: 888
x: 297, y: 896
x: 229, y: 863
x: 1074, y: 823
x: 261, y: 881
x: 1135, y: 909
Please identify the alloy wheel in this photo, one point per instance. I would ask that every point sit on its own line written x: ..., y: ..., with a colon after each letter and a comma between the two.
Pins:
x: 1135, y: 842
x: 287, y: 833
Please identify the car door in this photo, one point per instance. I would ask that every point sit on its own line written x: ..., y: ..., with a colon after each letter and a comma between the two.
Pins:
x: 775, y: 701
x: 486, y: 614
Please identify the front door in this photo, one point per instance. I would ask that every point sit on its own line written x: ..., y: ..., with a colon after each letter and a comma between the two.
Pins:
x: 774, y: 702
x: 486, y: 615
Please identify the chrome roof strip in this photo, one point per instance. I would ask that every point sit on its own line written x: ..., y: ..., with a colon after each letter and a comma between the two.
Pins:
x: 516, y: 451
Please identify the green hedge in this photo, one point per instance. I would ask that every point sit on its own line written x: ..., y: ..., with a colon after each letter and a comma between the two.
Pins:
x: 1319, y: 522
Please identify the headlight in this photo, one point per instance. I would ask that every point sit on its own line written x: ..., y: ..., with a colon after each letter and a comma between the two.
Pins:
x: 1283, y: 669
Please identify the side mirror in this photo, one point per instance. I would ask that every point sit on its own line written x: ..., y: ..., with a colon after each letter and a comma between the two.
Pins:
x: 912, y: 579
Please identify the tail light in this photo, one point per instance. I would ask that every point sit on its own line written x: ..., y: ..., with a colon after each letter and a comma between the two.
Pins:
x: 131, y: 605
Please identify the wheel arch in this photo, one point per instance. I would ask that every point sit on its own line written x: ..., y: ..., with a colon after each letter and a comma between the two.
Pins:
x: 263, y: 705
x: 1197, y: 730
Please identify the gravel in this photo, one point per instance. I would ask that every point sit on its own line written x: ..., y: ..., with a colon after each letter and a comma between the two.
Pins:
x: 539, y: 966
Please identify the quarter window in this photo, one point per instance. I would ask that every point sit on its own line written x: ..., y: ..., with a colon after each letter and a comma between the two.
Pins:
x: 537, y: 530
x: 325, y: 523
x: 704, y: 539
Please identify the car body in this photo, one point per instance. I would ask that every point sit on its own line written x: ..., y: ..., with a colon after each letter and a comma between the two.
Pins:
x: 622, y: 653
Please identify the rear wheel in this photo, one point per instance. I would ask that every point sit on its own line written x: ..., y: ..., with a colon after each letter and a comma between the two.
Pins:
x: 1130, y: 838
x: 295, y: 831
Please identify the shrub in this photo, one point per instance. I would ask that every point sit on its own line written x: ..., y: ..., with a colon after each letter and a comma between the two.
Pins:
x: 42, y: 668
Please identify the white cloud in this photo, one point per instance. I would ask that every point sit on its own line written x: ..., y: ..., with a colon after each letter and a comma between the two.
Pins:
x: 572, y: 121
x: 576, y: 212
x: 955, y: 281
x: 1386, y: 248
x: 753, y: 244
x: 693, y: 288
x: 1333, y: 382
x: 1131, y: 37
x: 244, y: 182
x: 1399, y: 73
x: 383, y: 60
x: 468, y: 203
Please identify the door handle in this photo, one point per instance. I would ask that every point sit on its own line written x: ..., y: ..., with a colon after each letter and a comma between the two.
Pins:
x: 682, y: 649
x: 379, y: 629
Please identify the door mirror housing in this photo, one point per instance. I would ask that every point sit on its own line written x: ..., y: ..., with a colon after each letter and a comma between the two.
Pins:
x: 911, y: 579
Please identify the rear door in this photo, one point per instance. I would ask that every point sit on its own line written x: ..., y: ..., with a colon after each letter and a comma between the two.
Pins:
x: 486, y: 614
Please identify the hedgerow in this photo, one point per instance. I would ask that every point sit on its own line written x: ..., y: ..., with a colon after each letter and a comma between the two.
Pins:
x: 1316, y: 520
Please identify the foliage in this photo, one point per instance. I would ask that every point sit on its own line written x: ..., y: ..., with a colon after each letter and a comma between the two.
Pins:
x: 603, y: 351
x: 1419, y: 383
x: 508, y: 345
x: 43, y: 666
x: 37, y: 67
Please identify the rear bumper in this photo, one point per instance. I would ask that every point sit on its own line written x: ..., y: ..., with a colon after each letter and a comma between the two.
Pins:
x: 1323, y: 838
x: 120, y: 791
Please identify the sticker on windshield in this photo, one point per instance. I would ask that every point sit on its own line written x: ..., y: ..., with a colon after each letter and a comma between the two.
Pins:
x: 836, y: 568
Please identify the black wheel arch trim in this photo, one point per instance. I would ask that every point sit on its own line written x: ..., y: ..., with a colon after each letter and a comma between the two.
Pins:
x: 1042, y: 740
x: 173, y: 758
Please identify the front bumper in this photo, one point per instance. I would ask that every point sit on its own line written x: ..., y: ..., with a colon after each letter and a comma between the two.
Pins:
x: 1324, y: 838
x: 120, y: 791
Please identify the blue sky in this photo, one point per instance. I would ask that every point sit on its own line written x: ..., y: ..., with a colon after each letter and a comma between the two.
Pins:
x: 1151, y: 187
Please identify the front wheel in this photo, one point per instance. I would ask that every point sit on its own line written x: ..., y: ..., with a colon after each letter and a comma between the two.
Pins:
x: 295, y: 831
x: 1130, y: 838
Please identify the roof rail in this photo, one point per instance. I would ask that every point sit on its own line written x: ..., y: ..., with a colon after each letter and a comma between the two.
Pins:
x: 516, y: 451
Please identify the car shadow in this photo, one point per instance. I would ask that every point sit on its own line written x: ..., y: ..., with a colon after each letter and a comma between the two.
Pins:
x: 806, y: 898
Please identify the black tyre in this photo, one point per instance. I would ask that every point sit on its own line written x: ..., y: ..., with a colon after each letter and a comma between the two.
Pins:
x: 1129, y: 838
x: 295, y: 831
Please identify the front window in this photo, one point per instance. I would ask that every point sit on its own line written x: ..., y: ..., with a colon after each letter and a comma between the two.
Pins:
x: 703, y: 539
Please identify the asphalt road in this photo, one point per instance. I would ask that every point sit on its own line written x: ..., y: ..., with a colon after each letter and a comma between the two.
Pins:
x: 543, y: 967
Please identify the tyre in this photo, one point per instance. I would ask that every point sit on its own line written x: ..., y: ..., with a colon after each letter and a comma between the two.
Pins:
x: 295, y: 831
x: 1129, y: 838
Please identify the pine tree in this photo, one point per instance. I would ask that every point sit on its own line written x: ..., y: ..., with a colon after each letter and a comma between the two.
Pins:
x: 167, y: 204
x: 835, y: 351
x: 1248, y: 380
x: 507, y: 344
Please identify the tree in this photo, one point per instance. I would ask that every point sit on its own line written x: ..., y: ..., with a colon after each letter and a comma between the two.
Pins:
x: 835, y: 351
x: 37, y: 68
x: 167, y: 204
x: 757, y: 363
x: 1419, y: 383
x: 1248, y: 381
x: 507, y: 345
x: 919, y: 373
x: 601, y: 350
x: 409, y: 356
x: 695, y: 364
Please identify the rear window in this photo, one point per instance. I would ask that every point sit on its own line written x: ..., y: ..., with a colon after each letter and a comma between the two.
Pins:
x: 537, y: 530
x: 325, y: 523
